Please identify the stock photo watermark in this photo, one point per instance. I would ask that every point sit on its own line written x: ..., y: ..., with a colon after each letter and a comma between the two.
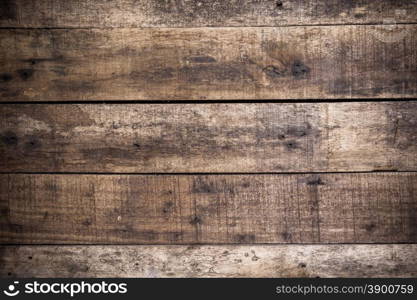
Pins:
x: 71, y: 289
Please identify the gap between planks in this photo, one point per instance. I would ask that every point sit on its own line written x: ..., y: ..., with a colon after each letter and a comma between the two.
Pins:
x: 206, y: 174
x: 212, y: 27
x: 197, y: 102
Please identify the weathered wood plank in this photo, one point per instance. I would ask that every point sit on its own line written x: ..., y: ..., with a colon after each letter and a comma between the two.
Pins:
x: 190, y: 13
x: 329, y: 62
x: 210, y: 261
x: 183, y: 138
x: 183, y: 209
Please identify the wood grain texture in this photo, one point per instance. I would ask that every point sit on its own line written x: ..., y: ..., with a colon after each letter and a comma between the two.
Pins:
x: 330, y: 62
x: 183, y: 138
x: 191, y: 13
x: 210, y: 261
x: 184, y: 209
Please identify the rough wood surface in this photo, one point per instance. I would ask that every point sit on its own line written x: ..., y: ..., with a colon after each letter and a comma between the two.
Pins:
x: 210, y: 261
x: 191, y: 13
x: 183, y: 209
x: 183, y: 138
x: 329, y: 62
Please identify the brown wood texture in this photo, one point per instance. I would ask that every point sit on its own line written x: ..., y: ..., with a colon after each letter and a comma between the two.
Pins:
x: 221, y: 138
x: 118, y: 212
x: 325, y: 62
x: 210, y: 261
x: 184, y: 209
x: 191, y: 13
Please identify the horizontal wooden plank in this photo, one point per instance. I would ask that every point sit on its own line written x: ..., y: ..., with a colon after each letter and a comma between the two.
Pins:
x: 184, y: 209
x: 210, y: 261
x: 190, y: 13
x: 184, y: 138
x: 329, y: 62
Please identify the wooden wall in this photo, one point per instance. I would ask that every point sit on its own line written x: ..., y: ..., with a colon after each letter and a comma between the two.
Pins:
x: 185, y: 138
